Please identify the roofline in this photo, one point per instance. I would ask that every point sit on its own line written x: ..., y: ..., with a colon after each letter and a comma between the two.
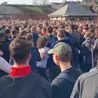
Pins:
x: 73, y: 16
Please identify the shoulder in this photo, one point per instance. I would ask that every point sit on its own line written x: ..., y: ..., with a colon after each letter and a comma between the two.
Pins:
x: 4, y: 81
x: 3, y: 61
x: 5, y: 78
x: 60, y: 80
x: 88, y: 75
x: 42, y: 82
x: 44, y: 86
x: 84, y: 81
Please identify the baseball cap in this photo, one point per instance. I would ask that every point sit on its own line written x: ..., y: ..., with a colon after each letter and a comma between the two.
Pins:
x: 61, y: 48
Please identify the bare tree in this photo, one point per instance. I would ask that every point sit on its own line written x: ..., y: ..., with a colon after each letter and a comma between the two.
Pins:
x: 40, y: 2
x: 44, y: 2
x: 34, y: 2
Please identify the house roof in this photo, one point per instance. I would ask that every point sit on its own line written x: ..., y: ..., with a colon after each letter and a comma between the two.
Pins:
x: 72, y: 9
x: 6, y: 10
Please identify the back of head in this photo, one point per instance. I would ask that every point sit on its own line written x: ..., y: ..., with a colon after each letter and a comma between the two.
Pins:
x: 33, y: 29
x: 87, y: 35
x: 16, y: 28
x: 2, y: 36
x: 61, y: 33
x: 14, y: 33
x: 20, y: 50
x: 22, y: 35
x: 92, y: 33
x: 49, y: 30
x: 29, y: 37
x: 7, y: 31
x: 74, y: 27
x: 95, y: 54
x: 41, y: 42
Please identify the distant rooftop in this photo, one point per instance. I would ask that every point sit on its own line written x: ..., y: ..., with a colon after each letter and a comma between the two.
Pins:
x: 20, y: 9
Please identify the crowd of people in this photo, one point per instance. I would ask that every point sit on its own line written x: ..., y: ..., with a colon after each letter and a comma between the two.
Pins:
x: 37, y: 53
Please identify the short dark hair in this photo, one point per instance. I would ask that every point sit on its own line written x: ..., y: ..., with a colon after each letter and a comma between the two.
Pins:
x: 95, y: 55
x: 74, y: 27
x: 14, y: 33
x: 20, y: 49
x: 50, y: 30
x: 22, y: 33
x: 7, y: 31
x: 66, y: 57
x: 2, y: 36
x: 29, y: 37
x: 41, y: 42
x: 61, y: 33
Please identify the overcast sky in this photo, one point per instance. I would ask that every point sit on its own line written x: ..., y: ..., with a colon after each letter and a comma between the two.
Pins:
x: 29, y: 1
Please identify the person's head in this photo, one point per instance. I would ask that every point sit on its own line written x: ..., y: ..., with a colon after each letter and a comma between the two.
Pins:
x: 33, y: 29
x: 2, y: 37
x: 20, y: 50
x: 44, y: 29
x: 42, y: 41
x: 92, y: 34
x: 95, y: 52
x: 7, y: 32
x: 54, y: 32
x: 22, y: 33
x: 61, y: 53
x: 87, y: 35
x: 39, y: 29
x: 96, y: 32
x: 60, y: 34
x: 16, y: 28
x: 95, y: 55
x: 74, y: 27
x: 27, y: 30
x: 14, y: 33
x: 50, y: 30
x: 29, y: 37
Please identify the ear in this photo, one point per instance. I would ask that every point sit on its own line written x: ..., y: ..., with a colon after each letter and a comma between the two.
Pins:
x: 57, y: 57
x: 1, y: 53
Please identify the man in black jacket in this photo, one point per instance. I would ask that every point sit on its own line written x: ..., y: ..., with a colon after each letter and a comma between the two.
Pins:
x: 63, y: 84
x: 22, y: 82
x: 4, y: 47
x: 65, y: 37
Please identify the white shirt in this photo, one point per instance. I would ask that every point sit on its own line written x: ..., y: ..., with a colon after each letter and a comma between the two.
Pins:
x: 44, y: 56
x: 4, y: 65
